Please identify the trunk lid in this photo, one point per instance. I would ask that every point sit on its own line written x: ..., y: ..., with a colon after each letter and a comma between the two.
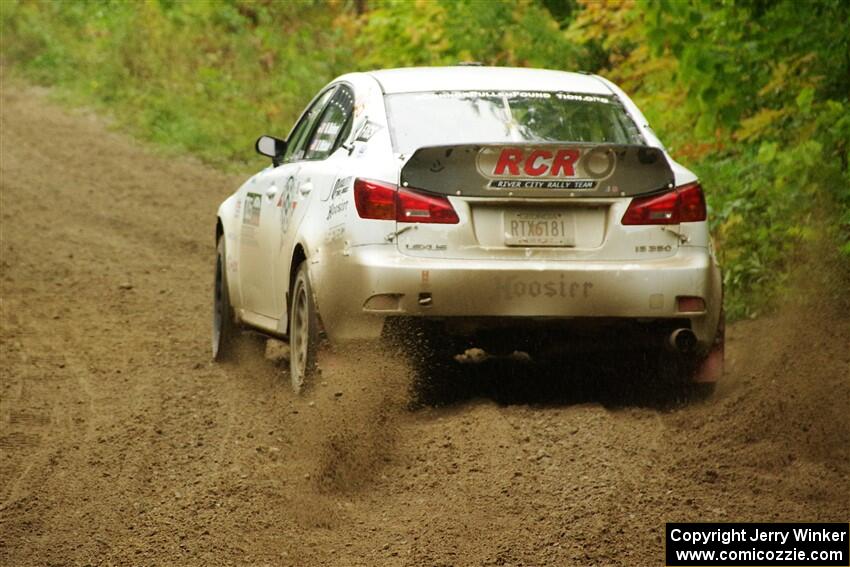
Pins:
x: 545, y: 201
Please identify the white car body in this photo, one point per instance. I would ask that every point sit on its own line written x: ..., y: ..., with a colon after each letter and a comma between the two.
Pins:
x: 363, y: 271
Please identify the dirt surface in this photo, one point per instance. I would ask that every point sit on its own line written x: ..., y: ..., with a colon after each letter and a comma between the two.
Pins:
x: 122, y: 444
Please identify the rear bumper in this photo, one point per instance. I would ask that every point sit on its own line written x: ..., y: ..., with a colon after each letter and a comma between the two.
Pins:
x: 379, y: 282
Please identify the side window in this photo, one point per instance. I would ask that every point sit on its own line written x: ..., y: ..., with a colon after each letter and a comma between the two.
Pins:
x: 298, y: 140
x: 333, y: 126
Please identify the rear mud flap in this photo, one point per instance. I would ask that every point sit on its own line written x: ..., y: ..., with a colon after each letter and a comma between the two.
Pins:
x: 712, y: 367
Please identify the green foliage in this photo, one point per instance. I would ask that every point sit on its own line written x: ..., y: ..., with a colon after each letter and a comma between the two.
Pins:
x: 752, y: 95
x: 195, y: 76
x: 755, y: 97
x: 428, y: 32
x: 772, y: 80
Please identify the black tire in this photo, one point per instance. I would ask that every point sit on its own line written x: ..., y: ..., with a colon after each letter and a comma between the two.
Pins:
x: 223, y: 326
x: 303, y: 332
x: 703, y: 390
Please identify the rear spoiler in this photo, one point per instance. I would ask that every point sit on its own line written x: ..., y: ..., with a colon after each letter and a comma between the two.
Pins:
x: 538, y: 170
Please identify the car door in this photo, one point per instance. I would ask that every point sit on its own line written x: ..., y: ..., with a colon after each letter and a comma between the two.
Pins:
x: 267, y: 210
x: 317, y: 170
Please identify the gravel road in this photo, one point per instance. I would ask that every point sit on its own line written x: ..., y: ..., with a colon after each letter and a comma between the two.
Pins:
x: 121, y: 443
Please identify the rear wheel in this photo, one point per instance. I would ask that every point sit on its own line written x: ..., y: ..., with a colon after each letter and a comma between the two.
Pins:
x: 223, y: 327
x: 710, y: 369
x: 303, y: 332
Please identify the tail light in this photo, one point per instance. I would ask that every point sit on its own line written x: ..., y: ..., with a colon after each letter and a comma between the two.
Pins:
x: 384, y: 201
x: 683, y: 204
x: 412, y: 206
x: 374, y: 200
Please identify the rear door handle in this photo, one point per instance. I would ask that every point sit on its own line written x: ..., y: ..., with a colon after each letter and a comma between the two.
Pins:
x: 271, y: 192
x: 306, y: 187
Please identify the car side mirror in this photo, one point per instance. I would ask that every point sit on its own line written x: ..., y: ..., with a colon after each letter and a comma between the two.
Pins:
x: 272, y: 147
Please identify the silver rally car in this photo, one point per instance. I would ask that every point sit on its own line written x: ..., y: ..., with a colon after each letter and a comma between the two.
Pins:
x: 501, y: 208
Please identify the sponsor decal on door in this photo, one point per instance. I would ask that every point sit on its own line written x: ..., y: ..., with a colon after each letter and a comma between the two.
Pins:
x: 253, y: 207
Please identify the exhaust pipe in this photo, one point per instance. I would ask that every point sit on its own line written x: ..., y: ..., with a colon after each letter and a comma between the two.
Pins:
x: 682, y: 340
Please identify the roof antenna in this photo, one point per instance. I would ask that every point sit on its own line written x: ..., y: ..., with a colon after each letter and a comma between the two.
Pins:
x: 470, y: 64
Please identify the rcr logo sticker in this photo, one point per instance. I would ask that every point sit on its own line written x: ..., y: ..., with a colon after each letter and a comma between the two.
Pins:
x: 557, y: 168
x: 536, y: 163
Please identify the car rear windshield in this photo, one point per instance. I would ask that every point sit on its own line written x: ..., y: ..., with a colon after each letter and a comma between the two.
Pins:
x: 466, y: 117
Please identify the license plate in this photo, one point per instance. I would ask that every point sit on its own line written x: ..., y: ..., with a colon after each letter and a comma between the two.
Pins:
x: 539, y: 228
